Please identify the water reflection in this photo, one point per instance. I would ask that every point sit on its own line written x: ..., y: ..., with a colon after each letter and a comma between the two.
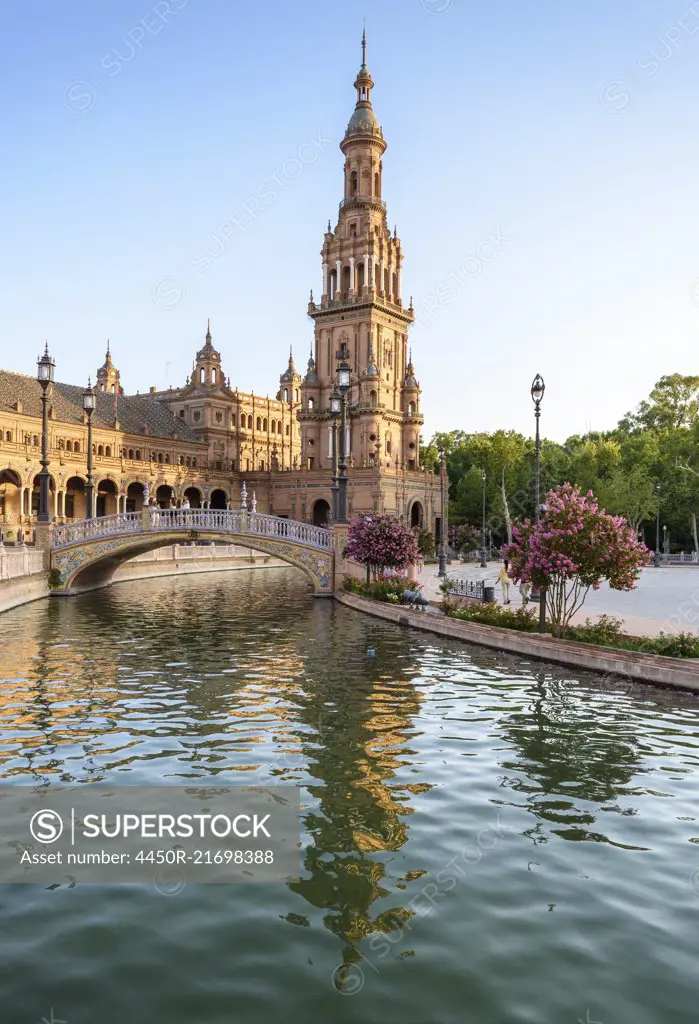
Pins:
x: 404, y: 748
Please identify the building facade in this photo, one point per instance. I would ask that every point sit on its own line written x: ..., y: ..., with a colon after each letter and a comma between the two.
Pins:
x: 204, y: 440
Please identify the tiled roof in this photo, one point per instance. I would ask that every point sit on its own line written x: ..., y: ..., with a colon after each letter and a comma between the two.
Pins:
x: 137, y: 414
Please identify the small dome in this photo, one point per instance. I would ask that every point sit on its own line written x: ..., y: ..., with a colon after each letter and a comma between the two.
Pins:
x: 363, y: 120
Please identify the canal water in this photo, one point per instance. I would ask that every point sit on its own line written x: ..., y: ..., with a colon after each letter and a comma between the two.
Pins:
x: 484, y: 840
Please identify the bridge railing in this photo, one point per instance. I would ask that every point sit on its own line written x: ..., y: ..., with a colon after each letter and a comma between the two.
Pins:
x: 251, y: 524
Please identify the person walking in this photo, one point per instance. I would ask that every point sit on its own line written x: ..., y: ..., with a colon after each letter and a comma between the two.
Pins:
x: 525, y: 590
x: 504, y: 581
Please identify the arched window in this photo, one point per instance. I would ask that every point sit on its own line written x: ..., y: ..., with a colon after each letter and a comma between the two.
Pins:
x: 373, y: 398
x: 160, y: 457
x: 353, y: 183
x: 167, y: 460
x: 35, y: 441
x: 188, y: 461
x: 69, y: 446
x: 213, y: 375
x: 258, y: 423
x: 76, y: 446
x: 194, y: 463
x: 8, y: 435
x: 249, y: 422
x: 131, y: 453
x: 264, y: 424
x: 233, y: 419
x: 108, y: 451
x: 273, y: 426
x: 202, y: 376
x: 287, y: 430
x: 286, y: 394
x: 311, y: 404
x: 410, y: 408
x: 138, y: 455
x: 61, y: 442
x: 181, y: 460
x: 377, y: 187
x: 262, y: 465
x: 100, y: 449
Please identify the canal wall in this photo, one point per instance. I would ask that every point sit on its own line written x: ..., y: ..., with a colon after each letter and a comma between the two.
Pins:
x: 678, y: 673
x: 183, y: 559
x: 22, y: 590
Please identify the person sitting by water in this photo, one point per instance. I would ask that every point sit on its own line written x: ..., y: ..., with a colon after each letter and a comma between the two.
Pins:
x: 504, y: 581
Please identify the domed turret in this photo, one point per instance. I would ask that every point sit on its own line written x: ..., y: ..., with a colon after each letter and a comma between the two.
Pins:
x: 108, y: 377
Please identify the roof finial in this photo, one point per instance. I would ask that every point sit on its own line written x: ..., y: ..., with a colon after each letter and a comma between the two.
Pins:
x: 364, y: 43
x: 208, y: 329
x: 107, y: 346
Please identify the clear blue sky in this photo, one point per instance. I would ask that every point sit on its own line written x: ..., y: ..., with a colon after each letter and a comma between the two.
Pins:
x: 135, y: 133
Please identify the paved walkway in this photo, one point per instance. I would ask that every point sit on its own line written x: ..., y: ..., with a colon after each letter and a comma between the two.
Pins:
x: 664, y: 600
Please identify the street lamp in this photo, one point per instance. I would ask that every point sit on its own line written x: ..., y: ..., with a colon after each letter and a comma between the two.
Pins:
x: 484, y: 560
x: 441, y: 554
x: 335, y: 410
x: 344, y: 379
x: 46, y: 369
x: 656, y: 557
x: 537, y: 392
x: 89, y: 399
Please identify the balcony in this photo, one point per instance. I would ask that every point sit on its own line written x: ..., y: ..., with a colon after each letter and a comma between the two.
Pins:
x: 363, y: 200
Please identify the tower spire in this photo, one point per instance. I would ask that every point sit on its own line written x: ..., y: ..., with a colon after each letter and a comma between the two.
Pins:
x: 364, y: 44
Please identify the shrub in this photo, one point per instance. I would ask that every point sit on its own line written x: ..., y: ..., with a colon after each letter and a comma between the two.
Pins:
x: 526, y: 620
x: 673, y: 645
x: 606, y: 631
x: 385, y: 588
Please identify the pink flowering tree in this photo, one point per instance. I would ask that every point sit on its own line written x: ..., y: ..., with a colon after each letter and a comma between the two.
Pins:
x: 381, y: 542
x: 573, y: 548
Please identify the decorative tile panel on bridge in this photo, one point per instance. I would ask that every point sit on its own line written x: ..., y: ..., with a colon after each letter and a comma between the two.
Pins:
x: 85, y: 554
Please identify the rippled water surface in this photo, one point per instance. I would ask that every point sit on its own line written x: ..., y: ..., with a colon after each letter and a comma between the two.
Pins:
x: 485, y: 840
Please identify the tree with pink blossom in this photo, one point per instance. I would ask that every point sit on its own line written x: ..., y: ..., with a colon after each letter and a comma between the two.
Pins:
x: 572, y: 549
x: 381, y: 542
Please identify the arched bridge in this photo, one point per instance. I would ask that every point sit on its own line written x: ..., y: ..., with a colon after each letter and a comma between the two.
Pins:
x: 85, y: 554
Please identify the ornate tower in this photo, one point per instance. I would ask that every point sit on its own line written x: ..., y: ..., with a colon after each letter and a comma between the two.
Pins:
x: 207, y: 365
x: 361, y: 316
x: 108, y: 377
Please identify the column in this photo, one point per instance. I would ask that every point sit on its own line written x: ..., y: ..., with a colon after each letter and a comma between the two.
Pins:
x: 325, y: 279
x: 400, y: 289
x: 21, y: 502
x: 381, y: 276
x: 330, y: 440
x: 366, y: 270
x: 353, y: 287
x: 338, y: 270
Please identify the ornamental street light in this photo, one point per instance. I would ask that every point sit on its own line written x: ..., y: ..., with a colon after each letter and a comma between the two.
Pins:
x: 484, y: 559
x: 537, y: 392
x: 656, y: 557
x: 344, y: 380
x: 441, y: 554
x: 46, y: 369
x: 335, y: 410
x: 89, y: 399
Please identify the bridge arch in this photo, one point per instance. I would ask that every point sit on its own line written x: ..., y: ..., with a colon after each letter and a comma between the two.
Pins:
x: 86, y: 554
